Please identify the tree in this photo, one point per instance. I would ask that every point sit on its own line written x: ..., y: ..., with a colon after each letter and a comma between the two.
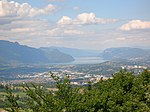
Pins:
x: 125, y: 92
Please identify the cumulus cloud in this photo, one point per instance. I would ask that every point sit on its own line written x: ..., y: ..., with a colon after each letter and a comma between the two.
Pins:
x: 65, y: 20
x: 84, y: 19
x: 15, y: 9
x: 135, y: 24
x: 18, y: 23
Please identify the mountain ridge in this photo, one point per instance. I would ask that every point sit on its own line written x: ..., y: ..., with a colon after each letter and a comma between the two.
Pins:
x: 125, y: 53
x: 13, y: 52
x: 75, y: 52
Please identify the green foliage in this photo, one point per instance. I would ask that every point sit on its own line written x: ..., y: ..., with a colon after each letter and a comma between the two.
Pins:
x: 12, y: 100
x: 123, y: 93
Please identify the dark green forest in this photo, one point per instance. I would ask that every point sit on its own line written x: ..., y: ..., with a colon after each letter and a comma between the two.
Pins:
x: 124, y: 92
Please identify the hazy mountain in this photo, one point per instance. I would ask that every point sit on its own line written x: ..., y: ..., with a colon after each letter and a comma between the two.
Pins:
x: 77, y: 52
x: 56, y: 56
x: 15, y: 53
x: 126, y: 53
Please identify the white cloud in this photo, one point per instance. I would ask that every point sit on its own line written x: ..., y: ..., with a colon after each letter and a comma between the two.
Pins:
x: 64, y: 32
x: 15, y: 9
x: 135, y: 24
x: 35, y: 33
x: 17, y: 23
x: 65, y: 20
x: 73, y: 32
x: 24, y: 30
x: 84, y: 19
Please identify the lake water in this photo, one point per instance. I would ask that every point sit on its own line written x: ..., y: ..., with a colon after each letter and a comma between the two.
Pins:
x: 87, y: 60
x: 82, y: 60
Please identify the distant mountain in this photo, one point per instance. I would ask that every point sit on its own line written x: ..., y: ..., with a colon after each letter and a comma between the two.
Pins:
x: 77, y: 52
x: 13, y: 52
x: 56, y: 56
x: 126, y: 53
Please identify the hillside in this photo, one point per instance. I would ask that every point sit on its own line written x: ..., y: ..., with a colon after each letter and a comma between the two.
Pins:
x: 126, y: 53
x: 16, y: 53
x: 56, y: 56
x: 76, y: 52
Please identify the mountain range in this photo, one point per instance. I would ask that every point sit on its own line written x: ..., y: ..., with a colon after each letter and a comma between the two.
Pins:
x: 76, y: 52
x: 13, y: 52
x: 127, y: 53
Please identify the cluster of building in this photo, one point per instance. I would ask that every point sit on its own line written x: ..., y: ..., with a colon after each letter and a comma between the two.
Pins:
x: 133, y: 67
x: 77, y: 78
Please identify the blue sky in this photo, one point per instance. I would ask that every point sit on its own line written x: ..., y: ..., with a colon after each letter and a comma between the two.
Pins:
x: 123, y: 9
x: 85, y: 24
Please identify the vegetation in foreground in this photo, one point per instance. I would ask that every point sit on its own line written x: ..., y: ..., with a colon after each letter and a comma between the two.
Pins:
x: 124, y: 93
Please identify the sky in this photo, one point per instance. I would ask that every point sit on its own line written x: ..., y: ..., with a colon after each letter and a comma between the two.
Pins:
x: 83, y: 24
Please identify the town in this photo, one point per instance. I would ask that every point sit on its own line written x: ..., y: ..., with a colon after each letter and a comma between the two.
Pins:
x: 77, y: 76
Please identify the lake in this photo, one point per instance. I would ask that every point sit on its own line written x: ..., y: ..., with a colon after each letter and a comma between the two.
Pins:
x: 82, y: 60
x: 87, y: 60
